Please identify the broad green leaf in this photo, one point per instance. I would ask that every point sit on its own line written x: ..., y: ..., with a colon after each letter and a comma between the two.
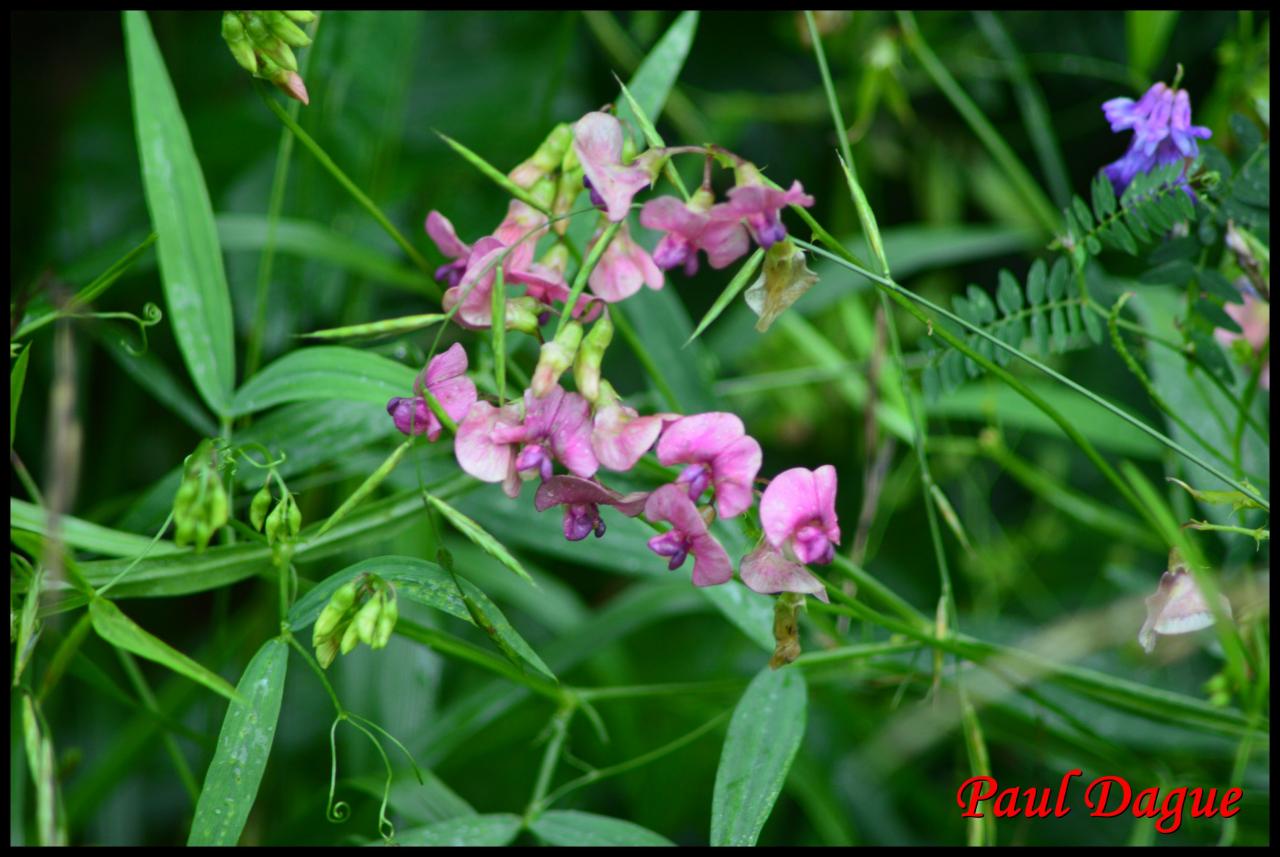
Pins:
x: 425, y: 583
x: 17, y: 377
x: 231, y: 783
x: 480, y: 537
x: 324, y: 372
x: 763, y: 738
x: 492, y: 830
x: 651, y: 84
x: 195, y: 284
x: 570, y: 827
x: 121, y: 631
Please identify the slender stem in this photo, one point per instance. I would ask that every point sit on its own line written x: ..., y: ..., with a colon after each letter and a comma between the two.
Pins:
x: 139, y: 682
x: 584, y: 273
x: 350, y: 186
x: 559, y: 731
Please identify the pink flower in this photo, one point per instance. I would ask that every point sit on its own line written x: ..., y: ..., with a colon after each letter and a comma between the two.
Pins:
x: 473, y: 294
x: 494, y: 444
x: 597, y: 141
x: 689, y: 228
x: 1254, y: 318
x: 623, y: 268
x: 1177, y: 607
x: 798, y: 513
x: 719, y: 454
x: 619, y: 435
x: 441, y: 232
x: 446, y: 379
x: 581, y: 499
x: 759, y: 206
x: 688, y: 535
x: 766, y: 571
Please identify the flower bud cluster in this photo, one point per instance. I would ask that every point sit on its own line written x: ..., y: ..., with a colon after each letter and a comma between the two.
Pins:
x: 362, y: 610
x: 263, y: 42
x: 200, y: 506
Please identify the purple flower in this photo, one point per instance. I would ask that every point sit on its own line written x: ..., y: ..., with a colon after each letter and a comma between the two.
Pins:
x: 1162, y: 132
x: 446, y: 379
x: 597, y: 141
x: 581, y: 499
x: 692, y: 227
x: 798, y: 513
x: 719, y: 454
x: 499, y: 444
x: 473, y: 294
x: 760, y: 206
x: 688, y: 535
x: 441, y: 232
x: 623, y: 268
x: 766, y: 571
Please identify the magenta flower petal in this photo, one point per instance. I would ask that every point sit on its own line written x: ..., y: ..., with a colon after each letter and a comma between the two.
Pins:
x: 1177, y: 607
x: 570, y: 434
x: 619, y: 435
x: 690, y: 229
x: 559, y: 490
x: 724, y: 243
x: 440, y: 230
x: 768, y: 572
x: 688, y: 535
x: 472, y: 295
x: 759, y: 207
x: 597, y: 141
x: 446, y: 378
x: 698, y: 438
x: 669, y: 214
x: 733, y: 471
x: 623, y: 269
x: 797, y: 512
x: 477, y: 451
x: 414, y: 416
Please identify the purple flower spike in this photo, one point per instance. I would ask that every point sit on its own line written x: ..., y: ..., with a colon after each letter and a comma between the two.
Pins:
x: 1162, y: 132
x: 768, y: 572
x: 719, y: 454
x: 445, y: 377
x: 759, y: 207
x: 798, y: 513
x: 581, y: 499
x: 690, y: 228
x: 597, y: 141
x: 688, y: 535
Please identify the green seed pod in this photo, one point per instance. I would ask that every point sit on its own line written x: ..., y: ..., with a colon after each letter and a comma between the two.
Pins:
x: 203, y: 532
x: 326, y: 623
x: 350, y: 639
x: 259, y: 507
x: 294, y: 517
x: 216, y: 506
x: 366, y: 621
x: 286, y: 30
x: 268, y: 70
x: 326, y: 652
x: 345, y: 598
x: 274, y: 520
x: 185, y: 533
x: 301, y: 17
x: 386, y: 624
x: 586, y: 366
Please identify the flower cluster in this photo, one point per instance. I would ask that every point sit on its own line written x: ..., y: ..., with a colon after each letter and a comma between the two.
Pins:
x: 1162, y: 132
x: 563, y: 439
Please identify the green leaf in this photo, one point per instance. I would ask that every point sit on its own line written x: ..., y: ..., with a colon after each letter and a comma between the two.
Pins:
x: 570, y: 827
x: 1036, y: 283
x: 231, y: 783
x: 17, y: 377
x: 85, y: 535
x: 493, y: 830
x: 1008, y: 294
x: 480, y: 537
x: 651, y: 85
x: 387, y: 327
x: 1082, y: 214
x: 763, y: 738
x: 195, y: 284
x: 983, y: 308
x: 425, y: 583
x: 730, y: 292
x: 1058, y: 280
x: 1104, y: 196
x: 324, y: 372
x: 121, y: 631
x: 1147, y: 33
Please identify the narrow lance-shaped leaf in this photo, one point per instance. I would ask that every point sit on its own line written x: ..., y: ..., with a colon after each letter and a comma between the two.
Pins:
x: 195, y: 283
x: 651, y: 85
x: 17, y: 378
x: 494, y: 830
x: 763, y: 738
x: 480, y: 537
x: 121, y: 631
x: 324, y: 372
x: 573, y: 828
x: 231, y: 783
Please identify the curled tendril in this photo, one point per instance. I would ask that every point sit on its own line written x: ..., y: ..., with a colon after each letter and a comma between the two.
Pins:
x: 270, y: 464
x: 386, y: 829
x: 340, y: 811
x: 151, y: 316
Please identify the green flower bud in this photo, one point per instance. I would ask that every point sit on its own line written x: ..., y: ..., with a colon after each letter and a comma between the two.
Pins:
x: 256, y: 28
x: 522, y: 314
x: 567, y: 190
x: 203, y: 532
x: 281, y: 53
x: 386, y: 624
x: 326, y: 652
x: 259, y: 507
x: 286, y: 30
x: 232, y: 28
x: 185, y: 532
x: 294, y: 517
x: 326, y: 623
x: 301, y: 17
x: 274, y: 520
x: 282, y: 552
x: 366, y: 621
x: 345, y: 597
x: 556, y: 357
x: 217, y: 509
x: 586, y: 365
x: 349, y: 639
x: 544, y: 192
x: 238, y: 42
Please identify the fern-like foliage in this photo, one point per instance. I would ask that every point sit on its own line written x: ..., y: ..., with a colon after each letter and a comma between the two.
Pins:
x: 1045, y: 315
x: 1151, y: 205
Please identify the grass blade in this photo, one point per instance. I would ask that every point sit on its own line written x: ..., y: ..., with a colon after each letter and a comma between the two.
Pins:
x: 480, y: 536
x: 736, y: 285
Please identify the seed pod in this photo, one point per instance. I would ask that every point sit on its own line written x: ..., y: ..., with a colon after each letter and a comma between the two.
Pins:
x: 185, y: 532
x: 274, y: 520
x: 345, y: 597
x: 216, y: 507
x: 327, y: 651
x: 586, y: 366
x: 386, y: 624
x: 349, y: 639
x: 259, y: 507
x: 366, y: 621
x: 256, y: 28
x: 281, y: 53
x: 294, y: 517
x: 326, y: 623
x: 301, y: 17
